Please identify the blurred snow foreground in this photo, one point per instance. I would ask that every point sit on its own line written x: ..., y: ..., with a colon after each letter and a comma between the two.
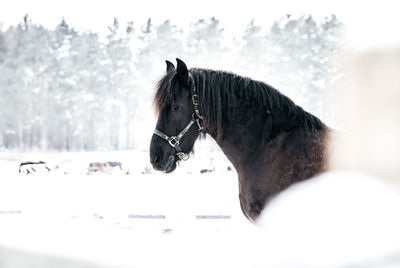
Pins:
x: 348, y: 217
x: 338, y: 220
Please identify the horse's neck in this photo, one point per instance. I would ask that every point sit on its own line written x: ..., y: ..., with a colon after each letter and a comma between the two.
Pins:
x: 240, y: 136
x: 243, y: 140
x: 248, y: 131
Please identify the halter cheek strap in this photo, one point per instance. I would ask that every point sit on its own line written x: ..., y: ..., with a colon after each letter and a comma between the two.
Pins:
x: 174, y: 141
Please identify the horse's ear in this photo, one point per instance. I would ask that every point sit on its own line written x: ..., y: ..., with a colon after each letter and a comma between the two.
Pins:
x: 182, y: 71
x: 170, y: 66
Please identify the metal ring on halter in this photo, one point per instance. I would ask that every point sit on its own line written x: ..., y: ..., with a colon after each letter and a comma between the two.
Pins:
x: 195, y: 99
x: 183, y: 156
x: 173, y: 141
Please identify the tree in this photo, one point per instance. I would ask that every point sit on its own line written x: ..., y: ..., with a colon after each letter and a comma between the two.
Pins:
x: 64, y: 89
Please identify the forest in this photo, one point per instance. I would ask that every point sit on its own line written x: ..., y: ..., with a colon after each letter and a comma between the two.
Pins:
x: 65, y: 89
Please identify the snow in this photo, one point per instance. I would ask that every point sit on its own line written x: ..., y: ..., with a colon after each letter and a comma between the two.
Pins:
x: 340, y: 219
x: 337, y: 220
x: 92, y: 217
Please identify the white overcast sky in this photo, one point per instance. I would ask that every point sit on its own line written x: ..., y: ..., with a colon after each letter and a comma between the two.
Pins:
x: 369, y: 23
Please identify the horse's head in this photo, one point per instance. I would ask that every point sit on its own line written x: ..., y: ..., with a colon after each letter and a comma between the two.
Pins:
x: 177, y: 126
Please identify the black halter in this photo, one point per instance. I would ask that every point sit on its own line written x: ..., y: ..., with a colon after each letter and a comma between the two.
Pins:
x: 174, y: 141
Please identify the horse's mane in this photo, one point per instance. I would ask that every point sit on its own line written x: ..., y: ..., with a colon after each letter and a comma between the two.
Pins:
x: 222, y: 92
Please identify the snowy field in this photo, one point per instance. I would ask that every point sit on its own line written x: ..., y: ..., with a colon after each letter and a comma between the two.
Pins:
x: 139, y: 219
x: 66, y: 218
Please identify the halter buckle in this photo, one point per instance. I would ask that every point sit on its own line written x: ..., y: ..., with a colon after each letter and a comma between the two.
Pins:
x: 183, y: 156
x: 173, y: 141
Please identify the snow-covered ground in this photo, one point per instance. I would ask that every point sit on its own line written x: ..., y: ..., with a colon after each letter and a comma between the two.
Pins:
x: 67, y: 218
x: 143, y: 218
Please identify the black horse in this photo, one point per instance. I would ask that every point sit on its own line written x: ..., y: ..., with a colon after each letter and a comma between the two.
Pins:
x: 270, y: 141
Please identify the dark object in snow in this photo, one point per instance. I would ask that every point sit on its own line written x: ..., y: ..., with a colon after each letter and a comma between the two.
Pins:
x: 271, y: 142
x: 167, y: 231
x: 106, y: 168
x: 205, y: 170
x: 97, y: 216
x: 35, y: 167
x: 147, y: 170
x: 114, y: 164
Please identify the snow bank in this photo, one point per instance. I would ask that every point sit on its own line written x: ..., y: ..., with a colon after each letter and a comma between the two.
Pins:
x: 339, y: 219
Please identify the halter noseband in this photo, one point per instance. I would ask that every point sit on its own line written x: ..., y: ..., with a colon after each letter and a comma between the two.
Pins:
x: 174, y: 141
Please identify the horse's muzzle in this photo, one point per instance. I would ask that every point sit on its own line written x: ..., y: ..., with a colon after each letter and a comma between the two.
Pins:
x: 166, y: 166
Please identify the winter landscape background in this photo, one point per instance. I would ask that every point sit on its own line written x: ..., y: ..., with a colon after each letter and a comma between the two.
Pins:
x: 68, y: 90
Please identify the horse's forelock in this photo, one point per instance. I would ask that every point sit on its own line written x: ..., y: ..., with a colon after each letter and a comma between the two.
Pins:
x: 163, y: 94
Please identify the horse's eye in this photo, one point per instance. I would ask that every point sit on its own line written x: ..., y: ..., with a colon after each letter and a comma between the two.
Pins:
x: 175, y: 107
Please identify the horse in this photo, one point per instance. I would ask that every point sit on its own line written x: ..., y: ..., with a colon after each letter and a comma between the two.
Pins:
x: 271, y: 142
